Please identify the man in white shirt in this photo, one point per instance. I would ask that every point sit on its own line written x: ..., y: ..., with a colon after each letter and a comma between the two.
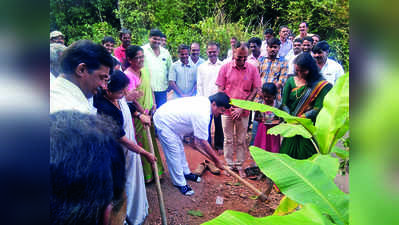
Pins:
x: 295, y: 51
x: 183, y: 116
x: 286, y: 44
x: 330, y: 69
x: 206, y: 86
x: 269, y: 33
x: 86, y: 68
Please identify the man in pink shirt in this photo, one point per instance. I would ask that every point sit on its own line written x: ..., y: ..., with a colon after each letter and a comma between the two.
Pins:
x: 240, y: 80
x: 120, y: 52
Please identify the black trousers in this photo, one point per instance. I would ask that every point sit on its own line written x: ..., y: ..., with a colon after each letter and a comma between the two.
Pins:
x: 219, y: 136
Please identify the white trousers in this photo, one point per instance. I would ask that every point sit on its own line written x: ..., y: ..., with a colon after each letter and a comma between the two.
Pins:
x: 173, y: 149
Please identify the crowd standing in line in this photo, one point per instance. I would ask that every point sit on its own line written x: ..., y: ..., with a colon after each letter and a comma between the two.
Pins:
x: 128, y: 86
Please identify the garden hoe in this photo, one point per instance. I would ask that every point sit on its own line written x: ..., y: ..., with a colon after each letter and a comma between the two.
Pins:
x: 262, y: 196
x: 158, y: 184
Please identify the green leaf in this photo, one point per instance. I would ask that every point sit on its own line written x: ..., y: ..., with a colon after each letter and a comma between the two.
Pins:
x: 195, y: 213
x: 333, y: 120
x: 327, y: 163
x: 289, y: 130
x: 237, y: 184
x: 249, y: 105
x: 304, y: 181
x: 309, y: 215
x: 285, y: 207
x: 342, y: 153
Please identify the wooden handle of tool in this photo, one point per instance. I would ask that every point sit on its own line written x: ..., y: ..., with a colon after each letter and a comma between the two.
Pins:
x: 246, y: 183
x: 260, y: 194
x: 158, y: 184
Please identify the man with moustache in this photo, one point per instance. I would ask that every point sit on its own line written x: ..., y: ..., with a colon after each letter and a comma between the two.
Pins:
x: 329, y: 68
x: 158, y: 61
x: 125, y: 35
x: 307, y: 44
x: 86, y: 68
x: 296, y: 50
x: 254, y: 45
x: 269, y: 33
x: 195, y: 54
x: 303, y: 30
x: 286, y: 44
x: 206, y: 77
x: 240, y: 80
x: 183, y: 74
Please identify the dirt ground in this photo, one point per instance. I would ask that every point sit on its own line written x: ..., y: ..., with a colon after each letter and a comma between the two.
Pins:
x: 235, y: 196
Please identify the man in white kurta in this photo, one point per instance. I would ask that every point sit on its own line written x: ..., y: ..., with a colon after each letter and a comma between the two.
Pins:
x: 206, y: 86
x: 180, y: 117
x: 86, y: 67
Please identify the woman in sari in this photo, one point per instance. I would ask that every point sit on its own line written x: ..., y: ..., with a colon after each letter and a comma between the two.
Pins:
x: 112, y: 103
x: 303, y: 96
x: 140, y: 80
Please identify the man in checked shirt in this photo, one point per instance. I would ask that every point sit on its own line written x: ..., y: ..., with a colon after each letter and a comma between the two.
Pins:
x: 272, y: 68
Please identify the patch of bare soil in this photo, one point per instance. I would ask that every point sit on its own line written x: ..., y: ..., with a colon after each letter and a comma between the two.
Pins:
x: 235, y: 196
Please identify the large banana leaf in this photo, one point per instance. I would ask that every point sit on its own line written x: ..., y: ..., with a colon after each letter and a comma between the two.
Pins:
x: 289, y: 130
x: 328, y: 163
x: 333, y: 120
x: 342, y: 153
x: 309, y: 215
x: 307, y: 123
x: 285, y: 207
x: 304, y: 182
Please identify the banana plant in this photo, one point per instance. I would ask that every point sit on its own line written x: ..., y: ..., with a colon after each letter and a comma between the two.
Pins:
x: 331, y: 124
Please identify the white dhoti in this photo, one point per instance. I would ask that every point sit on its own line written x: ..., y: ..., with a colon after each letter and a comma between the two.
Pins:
x: 173, y: 149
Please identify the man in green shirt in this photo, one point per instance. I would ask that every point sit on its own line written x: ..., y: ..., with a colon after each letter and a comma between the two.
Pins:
x: 158, y: 61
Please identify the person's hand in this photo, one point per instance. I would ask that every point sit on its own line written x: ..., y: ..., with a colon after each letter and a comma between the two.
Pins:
x: 134, y: 95
x: 150, y: 157
x: 236, y: 113
x: 219, y: 164
x: 145, y: 119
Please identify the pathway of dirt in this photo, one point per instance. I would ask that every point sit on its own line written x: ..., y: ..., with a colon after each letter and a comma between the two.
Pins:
x: 235, y: 196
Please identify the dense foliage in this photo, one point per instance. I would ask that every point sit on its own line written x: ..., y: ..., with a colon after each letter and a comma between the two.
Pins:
x: 184, y: 21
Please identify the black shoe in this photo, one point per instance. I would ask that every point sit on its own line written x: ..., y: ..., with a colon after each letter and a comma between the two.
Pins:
x: 185, y: 190
x: 193, y: 177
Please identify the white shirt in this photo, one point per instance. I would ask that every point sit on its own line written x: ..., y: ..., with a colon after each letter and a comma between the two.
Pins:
x: 331, y: 71
x: 206, y: 78
x: 290, y: 58
x: 263, y: 50
x: 65, y: 95
x: 185, y: 115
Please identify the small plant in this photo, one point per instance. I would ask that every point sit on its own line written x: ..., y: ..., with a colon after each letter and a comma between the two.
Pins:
x: 312, y: 197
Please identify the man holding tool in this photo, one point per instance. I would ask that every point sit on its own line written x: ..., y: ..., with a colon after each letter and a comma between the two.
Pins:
x: 183, y: 116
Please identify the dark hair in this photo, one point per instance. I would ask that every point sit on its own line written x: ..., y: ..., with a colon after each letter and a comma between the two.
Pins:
x: 283, y: 26
x: 108, y: 39
x: 87, y: 168
x: 87, y: 52
x: 307, y: 62
x: 268, y: 31
x: 269, y: 88
x: 155, y: 32
x: 115, y: 62
x: 300, y: 40
x: 316, y: 35
x: 163, y: 35
x: 234, y: 38
x: 241, y: 44
x: 132, y: 51
x: 306, y: 24
x: 321, y: 46
x: 308, y: 38
x: 255, y: 40
x: 210, y: 43
x: 273, y: 41
x: 182, y: 46
x: 118, y: 81
x: 124, y: 31
x: 221, y: 100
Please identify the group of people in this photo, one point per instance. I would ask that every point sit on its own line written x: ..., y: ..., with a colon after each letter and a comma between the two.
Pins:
x: 127, y: 88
